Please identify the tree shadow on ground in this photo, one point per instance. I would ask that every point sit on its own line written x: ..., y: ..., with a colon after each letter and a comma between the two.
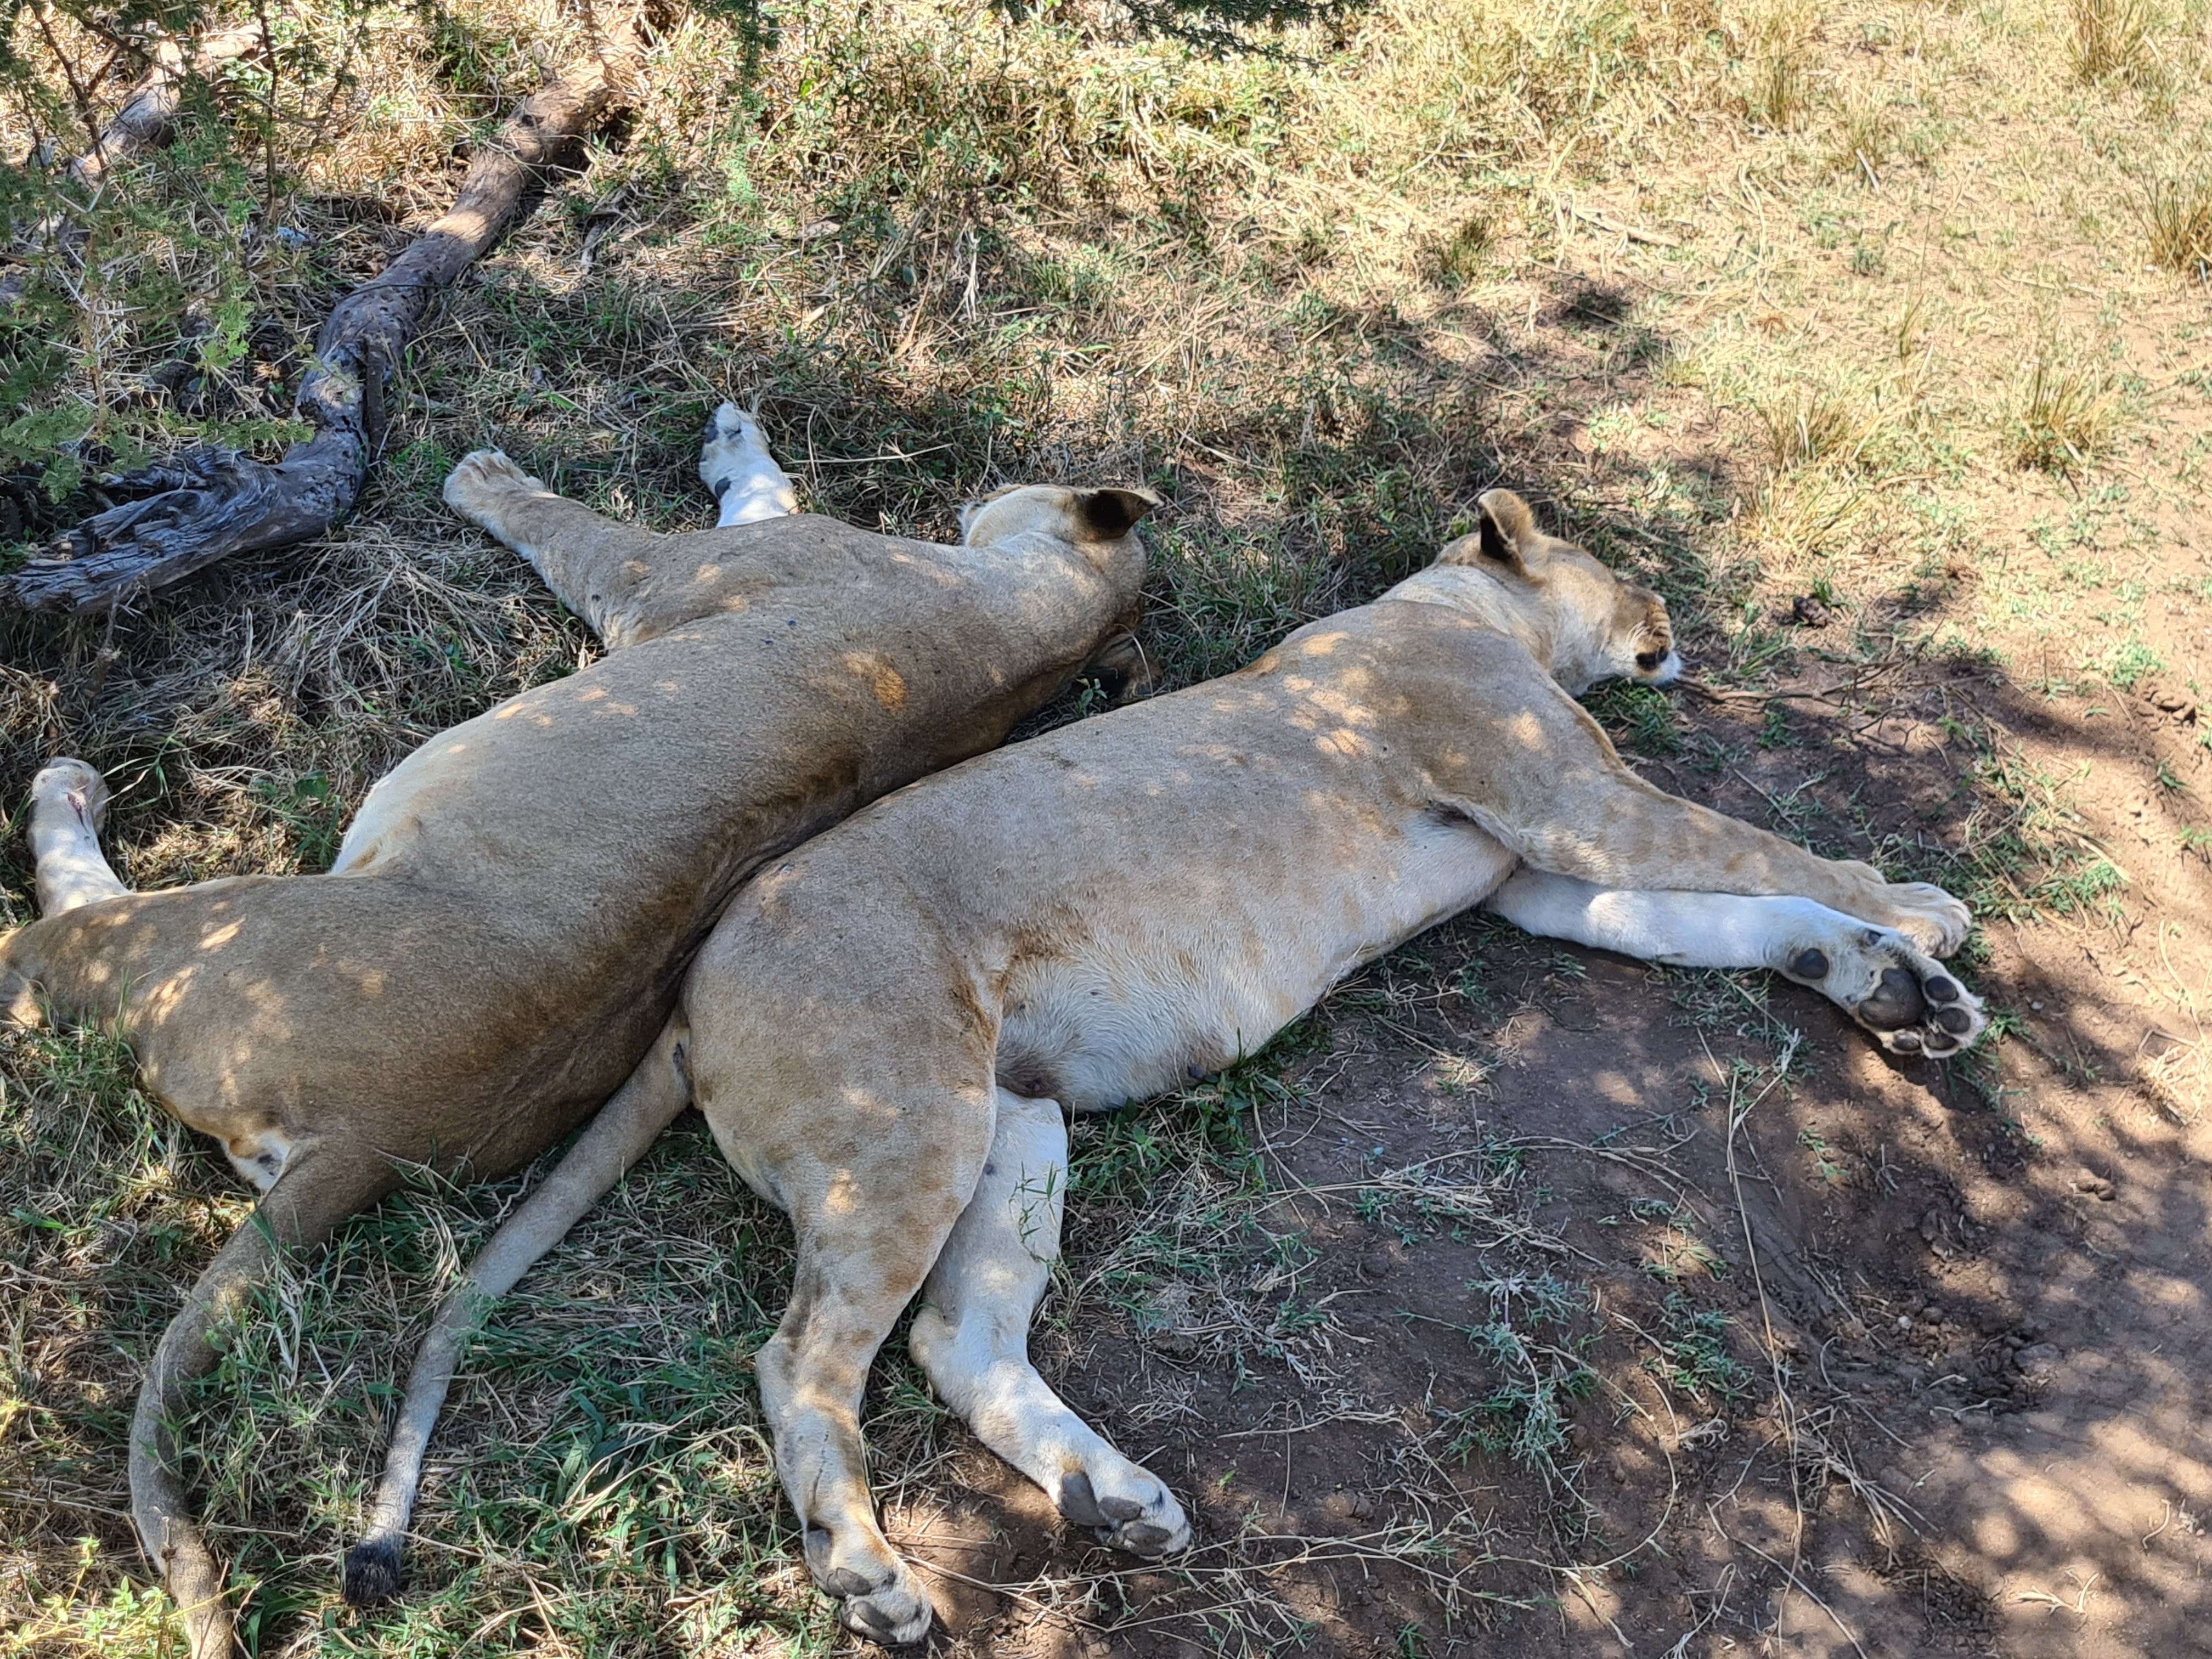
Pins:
x: 1929, y: 1197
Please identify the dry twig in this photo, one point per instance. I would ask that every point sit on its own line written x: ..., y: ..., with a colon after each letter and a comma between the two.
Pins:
x: 209, y: 503
x: 147, y: 121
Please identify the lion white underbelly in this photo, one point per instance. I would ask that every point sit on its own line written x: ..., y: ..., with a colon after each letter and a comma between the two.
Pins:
x: 1157, y: 995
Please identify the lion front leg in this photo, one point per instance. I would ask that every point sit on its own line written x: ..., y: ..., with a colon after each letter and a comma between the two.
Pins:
x: 1876, y: 974
x: 1585, y: 814
x: 1538, y: 774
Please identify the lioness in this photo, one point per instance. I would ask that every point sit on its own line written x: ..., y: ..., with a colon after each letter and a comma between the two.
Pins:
x: 511, y: 913
x: 885, y: 1028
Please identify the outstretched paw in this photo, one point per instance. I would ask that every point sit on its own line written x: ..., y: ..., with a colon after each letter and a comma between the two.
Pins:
x: 481, y: 480
x: 880, y: 1599
x: 734, y: 440
x: 1927, y: 915
x: 896, y: 1615
x: 75, y: 785
x: 1905, y: 998
x: 1128, y: 1508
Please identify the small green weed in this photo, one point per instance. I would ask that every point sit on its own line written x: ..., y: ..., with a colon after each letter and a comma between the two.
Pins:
x: 2128, y: 663
x: 1695, y: 1359
x: 1461, y: 257
x: 1826, y: 1169
x: 1525, y: 1416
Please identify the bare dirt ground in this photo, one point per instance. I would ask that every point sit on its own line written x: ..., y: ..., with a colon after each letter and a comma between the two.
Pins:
x: 1956, y: 1396
x: 1963, y: 1403
x: 1524, y: 1300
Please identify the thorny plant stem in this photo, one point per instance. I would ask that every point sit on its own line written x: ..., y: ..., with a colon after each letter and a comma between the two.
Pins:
x: 79, y: 92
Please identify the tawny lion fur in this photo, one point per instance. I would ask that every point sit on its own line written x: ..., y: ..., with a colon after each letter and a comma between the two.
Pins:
x: 885, y: 1027
x: 510, y: 915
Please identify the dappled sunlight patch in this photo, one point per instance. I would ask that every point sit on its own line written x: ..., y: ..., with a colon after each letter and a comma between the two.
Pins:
x: 1872, y: 338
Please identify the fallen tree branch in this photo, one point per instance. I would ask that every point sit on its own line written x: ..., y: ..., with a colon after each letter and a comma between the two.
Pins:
x: 146, y: 122
x: 209, y: 503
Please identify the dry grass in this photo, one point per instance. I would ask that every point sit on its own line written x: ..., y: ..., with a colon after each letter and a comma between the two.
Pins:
x: 1778, y: 47
x: 1320, y: 300
x: 2110, y: 40
x: 1865, y: 131
x: 2062, y: 413
x: 1835, y: 421
x: 1778, y: 96
x: 2177, y: 219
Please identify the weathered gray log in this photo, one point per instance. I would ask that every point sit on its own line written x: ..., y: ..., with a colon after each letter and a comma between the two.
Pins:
x: 209, y: 503
x: 146, y: 122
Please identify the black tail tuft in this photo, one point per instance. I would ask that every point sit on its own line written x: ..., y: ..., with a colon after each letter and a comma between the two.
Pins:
x: 372, y: 1574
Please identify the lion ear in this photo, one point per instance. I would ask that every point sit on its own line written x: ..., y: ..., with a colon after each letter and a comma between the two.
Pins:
x: 1504, y: 534
x: 1507, y: 530
x: 1107, y: 514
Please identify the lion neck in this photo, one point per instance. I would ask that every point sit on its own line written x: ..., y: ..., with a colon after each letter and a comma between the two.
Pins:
x: 1569, y: 650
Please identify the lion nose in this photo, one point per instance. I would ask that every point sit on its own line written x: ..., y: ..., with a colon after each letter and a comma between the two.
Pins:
x: 1669, y: 671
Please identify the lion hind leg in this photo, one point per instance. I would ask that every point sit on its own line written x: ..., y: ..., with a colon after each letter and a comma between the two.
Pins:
x: 734, y: 463
x: 68, y: 799
x: 594, y: 565
x: 971, y: 1336
x: 1877, y: 976
x: 874, y: 1173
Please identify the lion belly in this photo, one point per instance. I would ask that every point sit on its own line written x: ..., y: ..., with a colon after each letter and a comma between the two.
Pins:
x: 1168, y: 991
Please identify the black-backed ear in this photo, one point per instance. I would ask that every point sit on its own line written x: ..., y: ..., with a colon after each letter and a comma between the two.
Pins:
x: 1107, y: 514
x: 1506, y: 529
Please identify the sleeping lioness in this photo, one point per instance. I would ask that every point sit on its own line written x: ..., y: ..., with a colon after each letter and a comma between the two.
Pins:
x: 511, y: 913
x: 886, y: 1026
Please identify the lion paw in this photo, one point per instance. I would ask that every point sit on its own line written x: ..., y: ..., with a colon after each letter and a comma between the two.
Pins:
x: 733, y: 443
x: 1126, y: 1508
x: 878, y: 1595
x: 1928, y: 915
x: 481, y: 481
x: 896, y: 1615
x: 1879, y: 978
x: 75, y: 784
